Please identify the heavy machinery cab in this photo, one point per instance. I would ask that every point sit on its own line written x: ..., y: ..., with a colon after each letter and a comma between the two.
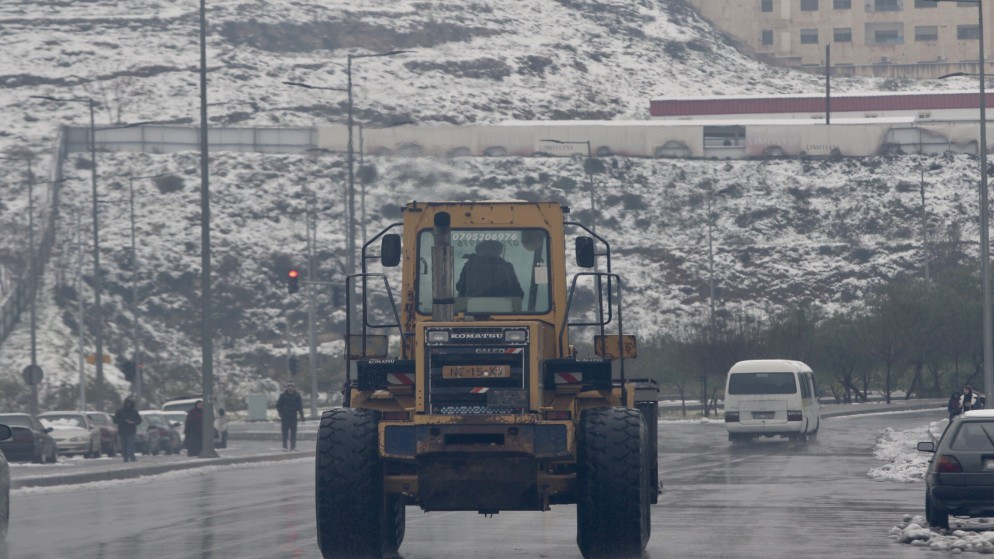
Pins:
x: 486, y: 405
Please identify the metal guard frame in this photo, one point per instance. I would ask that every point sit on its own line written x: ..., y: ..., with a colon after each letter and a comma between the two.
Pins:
x: 611, y: 277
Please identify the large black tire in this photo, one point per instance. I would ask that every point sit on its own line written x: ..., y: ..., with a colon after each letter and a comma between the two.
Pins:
x: 936, y: 518
x: 352, y: 517
x: 612, y: 484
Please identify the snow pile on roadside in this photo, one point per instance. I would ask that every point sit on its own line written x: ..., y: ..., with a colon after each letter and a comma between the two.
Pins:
x: 899, y: 448
x: 142, y: 480
x: 914, y: 530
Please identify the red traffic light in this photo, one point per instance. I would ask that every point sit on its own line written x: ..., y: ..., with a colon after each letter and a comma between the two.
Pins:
x: 293, y: 281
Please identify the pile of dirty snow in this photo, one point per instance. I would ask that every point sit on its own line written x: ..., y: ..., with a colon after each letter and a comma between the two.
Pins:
x: 900, y: 450
x: 914, y: 530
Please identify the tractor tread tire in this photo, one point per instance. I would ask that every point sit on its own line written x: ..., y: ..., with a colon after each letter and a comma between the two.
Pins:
x: 612, y: 484
x: 349, y: 486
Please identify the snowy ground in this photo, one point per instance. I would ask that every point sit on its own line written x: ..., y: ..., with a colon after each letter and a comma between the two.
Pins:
x: 900, y: 450
x: 914, y: 530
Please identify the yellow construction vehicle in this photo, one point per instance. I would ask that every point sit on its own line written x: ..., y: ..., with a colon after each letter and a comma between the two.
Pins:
x: 487, y: 407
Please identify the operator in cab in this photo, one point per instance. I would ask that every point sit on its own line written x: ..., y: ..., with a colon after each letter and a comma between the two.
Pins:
x: 487, y: 274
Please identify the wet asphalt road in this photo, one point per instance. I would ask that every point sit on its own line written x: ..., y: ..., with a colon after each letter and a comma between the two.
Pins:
x: 769, y: 499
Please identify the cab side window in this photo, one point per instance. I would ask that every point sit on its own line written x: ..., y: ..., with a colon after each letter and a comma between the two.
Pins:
x: 805, y: 388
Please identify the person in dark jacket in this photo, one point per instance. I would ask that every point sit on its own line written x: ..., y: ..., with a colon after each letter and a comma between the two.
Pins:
x: 193, y: 429
x: 127, y: 420
x: 954, y: 406
x: 288, y: 406
x: 487, y: 274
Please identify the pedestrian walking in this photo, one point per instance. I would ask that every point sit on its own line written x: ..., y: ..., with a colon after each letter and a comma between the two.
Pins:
x: 193, y: 429
x: 127, y: 420
x: 221, y: 428
x: 288, y: 406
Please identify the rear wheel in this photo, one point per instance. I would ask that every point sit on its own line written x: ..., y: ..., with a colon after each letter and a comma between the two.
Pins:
x: 936, y: 518
x: 612, y: 484
x: 352, y: 516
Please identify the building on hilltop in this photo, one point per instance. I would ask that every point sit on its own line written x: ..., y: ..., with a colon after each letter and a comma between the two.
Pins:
x: 879, y: 38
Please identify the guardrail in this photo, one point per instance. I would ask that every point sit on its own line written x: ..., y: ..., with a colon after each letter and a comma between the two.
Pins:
x: 20, y: 296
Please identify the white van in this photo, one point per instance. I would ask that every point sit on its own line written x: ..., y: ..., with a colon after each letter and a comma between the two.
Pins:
x: 771, y: 397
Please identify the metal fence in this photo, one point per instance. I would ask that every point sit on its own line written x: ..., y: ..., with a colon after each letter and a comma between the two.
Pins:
x: 169, y: 139
x: 20, y: 296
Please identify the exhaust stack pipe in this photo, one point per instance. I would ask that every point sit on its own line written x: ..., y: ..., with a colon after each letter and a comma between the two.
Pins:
x: 442, y: 283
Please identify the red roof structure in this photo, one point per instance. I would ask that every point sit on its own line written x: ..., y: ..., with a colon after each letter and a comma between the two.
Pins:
x: 815, y: 104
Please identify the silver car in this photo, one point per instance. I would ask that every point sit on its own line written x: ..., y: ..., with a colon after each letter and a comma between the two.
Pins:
x: 74, y: 432
x: 960, y: 477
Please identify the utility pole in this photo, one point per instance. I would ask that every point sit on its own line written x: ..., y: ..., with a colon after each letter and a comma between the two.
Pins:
x: 312, y: 227
x: 924, y: 225
x: 135, y: 349
x: 362, y: 187
x: 207, y: 327
x: 97, y: 310
x: 79, y: 302
x: 33, y: 274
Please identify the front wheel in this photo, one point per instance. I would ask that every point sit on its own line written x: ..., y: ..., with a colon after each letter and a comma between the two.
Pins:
x: 612, y: 484
x: 352, y: 516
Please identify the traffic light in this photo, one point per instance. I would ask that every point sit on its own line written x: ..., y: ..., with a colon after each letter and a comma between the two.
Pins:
x: 294, y: 365
x: 293, y: 282
x: 128, y: 368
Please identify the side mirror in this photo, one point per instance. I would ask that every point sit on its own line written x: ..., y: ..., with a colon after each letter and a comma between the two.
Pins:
x: 390, y: 250
x: 926, y: 447
x: 48, y: 429
x: 585, y: 252
x: 5, y: 432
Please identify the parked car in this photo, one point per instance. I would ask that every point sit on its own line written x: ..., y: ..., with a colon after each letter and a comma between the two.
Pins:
x: 147, y: 439
x: 5, y: 433
x: 960, y: 477
x: 73, y: 432
x: 109, y: 442
x: 169, y: 438
x: 30, y: 440
x: 178, y: 420
x: 185, y: 404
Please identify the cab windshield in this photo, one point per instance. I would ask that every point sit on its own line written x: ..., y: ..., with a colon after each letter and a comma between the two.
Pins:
x: 496, y: 271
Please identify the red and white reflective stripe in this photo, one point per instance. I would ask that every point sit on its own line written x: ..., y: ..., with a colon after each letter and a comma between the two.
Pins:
x: 511, y: 350
x: 568, y: 378
x: 400, y: 378
x: 479, y: 390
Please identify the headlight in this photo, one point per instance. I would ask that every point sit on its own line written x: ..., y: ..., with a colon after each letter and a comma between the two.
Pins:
x: 515, y: 335
x: 438, y: 336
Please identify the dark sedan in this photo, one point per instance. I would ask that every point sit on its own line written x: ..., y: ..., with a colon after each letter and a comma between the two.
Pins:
x: 109, y: 443
x: 960, y: 477
x: 29, y: 440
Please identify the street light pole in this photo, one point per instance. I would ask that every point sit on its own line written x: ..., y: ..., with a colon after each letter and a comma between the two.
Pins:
x: 589, y: 167
x: 79, y: 303
x: 985, y: 247
x: 34, y: 287
x: 311, y: 294
x: 207, y: 328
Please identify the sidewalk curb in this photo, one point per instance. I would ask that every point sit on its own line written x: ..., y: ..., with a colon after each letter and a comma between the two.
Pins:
x: 884, y: 408
x: 131, y: 473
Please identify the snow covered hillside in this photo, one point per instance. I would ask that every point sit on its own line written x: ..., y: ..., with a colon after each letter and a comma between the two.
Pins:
x: 784, y: 231
x: 816, y: 230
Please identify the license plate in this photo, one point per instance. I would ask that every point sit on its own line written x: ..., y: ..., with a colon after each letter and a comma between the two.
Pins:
x: 476, y: 371
x: 762, y: 415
